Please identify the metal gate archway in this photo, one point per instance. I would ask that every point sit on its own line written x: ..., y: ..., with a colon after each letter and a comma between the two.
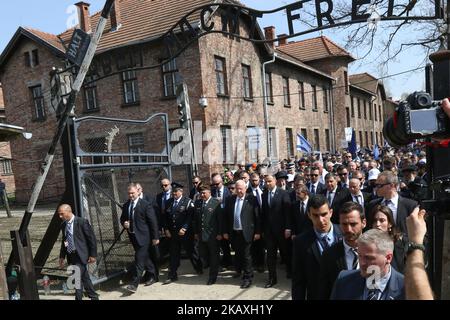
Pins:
x: 109, y: 154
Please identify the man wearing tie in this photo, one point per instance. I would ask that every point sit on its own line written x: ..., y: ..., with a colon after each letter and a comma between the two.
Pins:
x: 221, y: 193
x: 79, y: 245
x: 358, y: 196
x: 386, y: 187
x: 257, y: 249
x: 342, y: 255
x: 336, y: 195
x: 309, y: 247
x: 207, y: 226
x: 375, y: 248
x: 276, y: 226
x: 161, y: 202
x: 314, y: 185
x: 177, y: 221
x: 242, y: 227
x: 300, y: 219
x: 343, y: 176
x: 139, y: 219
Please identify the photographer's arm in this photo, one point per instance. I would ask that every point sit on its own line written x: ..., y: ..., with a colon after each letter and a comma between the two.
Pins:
x: 417, y: 286
x: 446, y: 106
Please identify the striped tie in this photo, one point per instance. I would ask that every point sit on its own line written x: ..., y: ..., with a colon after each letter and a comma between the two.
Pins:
x: 373, y: 294
x: 69, y: 238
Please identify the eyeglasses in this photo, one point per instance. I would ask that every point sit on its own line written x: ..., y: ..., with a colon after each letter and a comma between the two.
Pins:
x: 165, y: 185
x: 196, y: 182
x: 380, y: 185
x: 314, y: 175
x: 343, y: 174
x: 231, y: 188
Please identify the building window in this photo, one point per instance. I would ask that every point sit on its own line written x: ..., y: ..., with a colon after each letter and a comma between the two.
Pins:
x: 367, y: 138
x: 361, y: 141
x: 371, y: 138
x: 226, y: 144
x: 221, y: 75
x: 314, y: 98
x: 370, y: 111
x: 327, y: 139
x: 375, y: 112
x: 253, y: 143
x: 381, y: 139
x: 380, y: 113
x: 346, y: 82
x: 6, y: 167
x: 272, y: 144
x: 289, y: 143
x: 136, y: 145
x: 301, y: 95
x: 38, y: 100
x: 130, y: 87
x: 347, y: 113
x: 97, y: 145
x: 286, y: 94
x: 247, y: 82
x: 376, y: 137
x: 325, y: 99
x: 352, y: 104
x: 31, y: 58
x: 170, y: 72
x: 359, y: 109
x: 269, y: 88
x: 365, y: 110
x: 90, y: 94
x: 304, y: 133
x: 316, y: 140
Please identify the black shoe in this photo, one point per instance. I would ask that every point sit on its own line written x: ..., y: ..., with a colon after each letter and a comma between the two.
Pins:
x: 270, y: 283
x: 95, y: 298
x: 131, y: 288
x: 170, y: 280
x: 150, y: 282
x: 211, y: 281
x: 246, y: 284
x: 260, y: 269
x: 199, y: 271
x: 237, y: 275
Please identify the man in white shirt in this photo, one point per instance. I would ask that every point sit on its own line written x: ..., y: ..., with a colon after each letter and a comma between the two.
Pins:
x: 322, y: 172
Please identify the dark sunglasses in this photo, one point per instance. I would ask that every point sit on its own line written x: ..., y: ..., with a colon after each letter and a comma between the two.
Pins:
x: 343, y: 174
x: 380, y: 185
x: 314, y: 175
x: 165, y: 185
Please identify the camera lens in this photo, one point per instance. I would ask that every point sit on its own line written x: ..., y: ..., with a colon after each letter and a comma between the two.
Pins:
x: 422, y: 100
x: 395, y: 136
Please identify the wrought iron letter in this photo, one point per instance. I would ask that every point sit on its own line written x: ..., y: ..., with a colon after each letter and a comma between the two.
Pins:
x: 230, y: 20
x: 290, y: 17
x: 326, y: 14
x: 355, y: 6
x: 205, y: 14
x: 188, y: 33
x: 254, y: 17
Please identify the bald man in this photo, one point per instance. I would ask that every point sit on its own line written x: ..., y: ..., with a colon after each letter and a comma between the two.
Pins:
x: 79, y: 245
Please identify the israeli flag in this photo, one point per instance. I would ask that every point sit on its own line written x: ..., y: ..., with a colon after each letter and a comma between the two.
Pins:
x: 303, y: 145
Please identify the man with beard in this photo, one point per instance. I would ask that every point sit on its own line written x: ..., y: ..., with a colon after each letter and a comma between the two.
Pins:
x: 342, y: 255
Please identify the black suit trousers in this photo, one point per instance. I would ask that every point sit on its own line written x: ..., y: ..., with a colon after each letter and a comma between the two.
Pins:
x: 258, y: 253
x: 209, y: 251
x: 142, y: 261
x: 273, y: 243
x: 243, y: 258
x: 86, y: 282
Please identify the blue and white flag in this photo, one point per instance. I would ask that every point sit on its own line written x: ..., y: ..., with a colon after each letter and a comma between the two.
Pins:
x: 303, y: 144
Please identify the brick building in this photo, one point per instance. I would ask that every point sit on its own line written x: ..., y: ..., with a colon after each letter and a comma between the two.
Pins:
x: 6, y: 172
x: 308, y: 89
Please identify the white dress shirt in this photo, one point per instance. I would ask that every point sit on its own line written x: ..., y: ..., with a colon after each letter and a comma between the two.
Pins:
x: 393, y: 205
x: 349, y: 256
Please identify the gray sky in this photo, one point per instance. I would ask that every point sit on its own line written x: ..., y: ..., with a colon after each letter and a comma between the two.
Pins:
x: 54, y: 16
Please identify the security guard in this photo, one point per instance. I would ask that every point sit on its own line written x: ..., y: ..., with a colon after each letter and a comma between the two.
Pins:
x: 177, y: 221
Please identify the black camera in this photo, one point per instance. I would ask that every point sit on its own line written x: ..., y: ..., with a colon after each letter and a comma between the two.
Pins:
x: 418, y: 117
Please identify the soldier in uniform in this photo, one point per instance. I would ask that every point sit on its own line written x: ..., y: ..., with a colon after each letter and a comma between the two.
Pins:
x: 208, y: 230
x: 177, y: 220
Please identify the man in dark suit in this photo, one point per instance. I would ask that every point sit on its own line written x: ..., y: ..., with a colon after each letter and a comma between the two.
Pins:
x: 221, y: 193
x: 276, y: 226
x: 299, y: 181
x: 375, y: 248
x: 257, y: 248
x: 154, y: 252
x: 309, y: 247
x: 336, y: 195
x: 343, y: 254
x: 79, y: 245
x: 314, y: 185
x: 161, y: 203
x: 387, y: 183
x: 299, y: 212
x: 207, y: 224
x: 196, y: 181
x: 359, y: 196
x: 242, y: 227
x: 177, y: 220
x: 343, y: 176
x: 139, y: 219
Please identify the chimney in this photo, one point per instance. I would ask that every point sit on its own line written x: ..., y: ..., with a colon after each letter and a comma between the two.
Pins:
x: 282, y: 39
x: 83, y: 16
x: 116, y: 18
x: 269, y: 33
